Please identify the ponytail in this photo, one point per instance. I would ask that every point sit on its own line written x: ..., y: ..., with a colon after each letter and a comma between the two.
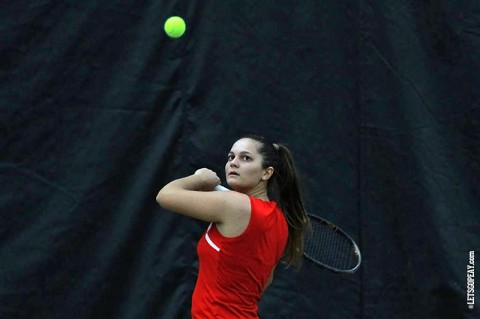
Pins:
x: 283, y: 188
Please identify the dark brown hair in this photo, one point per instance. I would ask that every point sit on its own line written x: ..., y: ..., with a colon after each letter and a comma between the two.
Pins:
x: 283, y: 187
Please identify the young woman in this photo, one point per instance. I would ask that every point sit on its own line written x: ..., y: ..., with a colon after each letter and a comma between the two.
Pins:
x: 252, y: 227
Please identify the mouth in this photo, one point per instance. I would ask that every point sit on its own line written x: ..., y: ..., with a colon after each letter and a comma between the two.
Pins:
x: 233, y: 174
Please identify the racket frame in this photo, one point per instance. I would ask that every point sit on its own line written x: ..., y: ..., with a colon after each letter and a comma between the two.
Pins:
x: 335, y: 228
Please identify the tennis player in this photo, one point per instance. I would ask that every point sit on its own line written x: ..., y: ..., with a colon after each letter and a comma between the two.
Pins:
x: 251, y: 228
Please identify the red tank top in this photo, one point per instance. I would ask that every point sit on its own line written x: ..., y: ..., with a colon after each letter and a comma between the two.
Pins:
x: 233, y: 271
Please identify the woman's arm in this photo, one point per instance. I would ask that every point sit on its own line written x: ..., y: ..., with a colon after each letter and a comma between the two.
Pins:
x: 192, y: 196
x: 270, y: 279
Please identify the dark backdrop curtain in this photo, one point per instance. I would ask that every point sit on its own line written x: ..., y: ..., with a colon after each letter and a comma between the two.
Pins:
x: 378, y: 101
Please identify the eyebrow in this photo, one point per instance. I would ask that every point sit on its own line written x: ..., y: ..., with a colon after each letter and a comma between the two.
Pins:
x: 242, y: 152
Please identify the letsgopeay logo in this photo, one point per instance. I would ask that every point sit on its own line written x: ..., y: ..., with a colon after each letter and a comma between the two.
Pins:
x: 471, y: 280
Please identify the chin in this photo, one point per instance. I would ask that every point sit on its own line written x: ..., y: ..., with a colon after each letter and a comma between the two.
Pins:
x: 234, y: 185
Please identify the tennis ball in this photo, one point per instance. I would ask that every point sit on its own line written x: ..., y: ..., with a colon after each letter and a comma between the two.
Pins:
x: 174, y: 27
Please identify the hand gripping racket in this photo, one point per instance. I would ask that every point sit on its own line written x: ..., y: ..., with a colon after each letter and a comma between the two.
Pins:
x: 328, y: 246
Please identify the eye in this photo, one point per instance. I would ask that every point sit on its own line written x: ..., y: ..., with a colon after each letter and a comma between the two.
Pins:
x: 231, y: 157
x: 246, y: 158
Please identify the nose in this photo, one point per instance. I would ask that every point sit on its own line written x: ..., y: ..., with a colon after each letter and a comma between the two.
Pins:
x: 233, y: 162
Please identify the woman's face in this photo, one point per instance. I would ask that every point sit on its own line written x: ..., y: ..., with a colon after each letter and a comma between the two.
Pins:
x: 243, y: 169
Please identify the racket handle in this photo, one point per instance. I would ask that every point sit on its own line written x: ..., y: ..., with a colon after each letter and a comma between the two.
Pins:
x: 221, y: 188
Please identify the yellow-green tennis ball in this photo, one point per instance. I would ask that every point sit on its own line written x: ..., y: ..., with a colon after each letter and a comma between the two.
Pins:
x: 175, y: 27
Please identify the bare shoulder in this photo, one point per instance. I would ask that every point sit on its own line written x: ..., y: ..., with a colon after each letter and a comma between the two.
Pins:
x: 238, y: 217
x: 217, y: 207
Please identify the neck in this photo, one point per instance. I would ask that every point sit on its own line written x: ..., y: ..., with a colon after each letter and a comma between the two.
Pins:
x: 260, y: 192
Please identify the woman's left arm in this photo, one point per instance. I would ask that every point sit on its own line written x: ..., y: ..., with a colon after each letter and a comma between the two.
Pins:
x: 192, y: 196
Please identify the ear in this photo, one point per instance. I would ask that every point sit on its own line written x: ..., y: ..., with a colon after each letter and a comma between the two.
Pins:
x: 267, y: 173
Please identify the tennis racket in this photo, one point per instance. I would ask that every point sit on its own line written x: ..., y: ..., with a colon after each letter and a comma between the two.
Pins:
x: 328, y: 246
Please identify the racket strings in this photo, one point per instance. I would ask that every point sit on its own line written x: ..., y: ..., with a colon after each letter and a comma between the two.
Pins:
x: 328, y: 246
